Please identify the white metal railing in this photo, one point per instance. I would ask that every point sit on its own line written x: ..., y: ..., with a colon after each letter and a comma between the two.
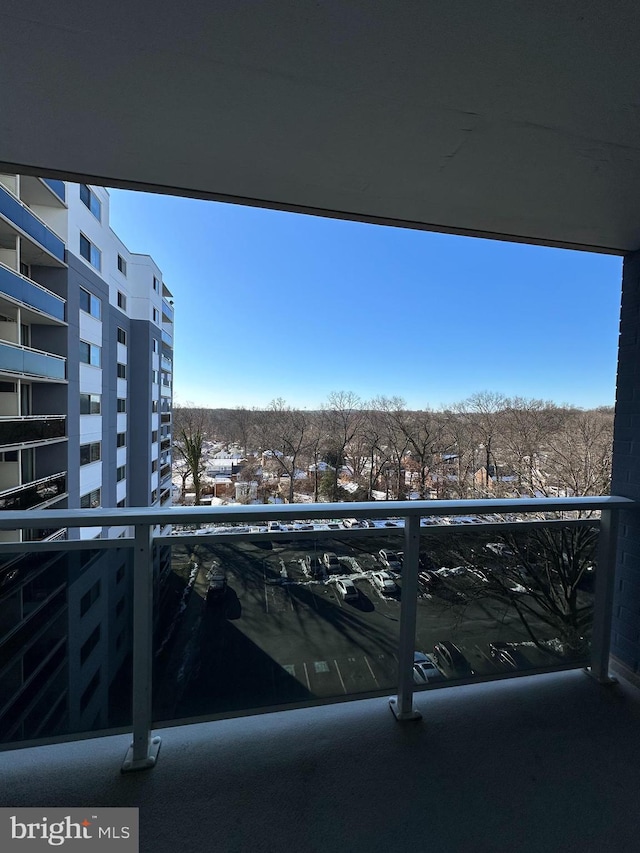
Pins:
x: 151, y: 526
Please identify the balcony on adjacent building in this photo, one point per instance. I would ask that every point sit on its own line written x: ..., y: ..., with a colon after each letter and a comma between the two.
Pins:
x: 20, y: 215
x: 56, y: 187
x: 31, y: 429
x: 28, y: 292
x: 37, y: 493
x: 26, y: 360
x: 167, y: 312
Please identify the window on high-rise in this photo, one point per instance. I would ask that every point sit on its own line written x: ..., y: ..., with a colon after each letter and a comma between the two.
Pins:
x: 90, y: 252
x: 121, y: 439
x: 122, y: 371
x: 90, y: 354
x: 122, y: 265
x: 122, y: 404
x: 122, y: 336
x: 91, y: 200
x: 121, y: 473
x: 89, y: 404
x: 90, y: 303
x: 90, y: 452
x: 122, y: 300
x: 89, y: 598
x: 91, y: 500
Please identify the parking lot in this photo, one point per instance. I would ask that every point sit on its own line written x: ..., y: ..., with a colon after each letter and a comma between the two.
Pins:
x: 282, y: 634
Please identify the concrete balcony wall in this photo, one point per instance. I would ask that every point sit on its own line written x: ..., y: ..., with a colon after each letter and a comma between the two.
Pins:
x: 626, y: 471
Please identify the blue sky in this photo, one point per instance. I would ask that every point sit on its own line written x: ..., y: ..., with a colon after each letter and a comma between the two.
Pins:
x: 272, y: 304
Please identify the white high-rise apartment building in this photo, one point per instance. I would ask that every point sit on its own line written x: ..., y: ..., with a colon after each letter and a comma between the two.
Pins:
x: 86, y: 356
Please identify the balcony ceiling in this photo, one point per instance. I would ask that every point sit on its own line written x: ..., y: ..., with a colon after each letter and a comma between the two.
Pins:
x: 517, y: 120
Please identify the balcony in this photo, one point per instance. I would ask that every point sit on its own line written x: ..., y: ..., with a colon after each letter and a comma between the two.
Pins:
x: 34, y: 494
x: 165, y: 472
x: 167, y: 339
x: 167, y: 312
x: 538, y: 725
x: 32, y: 362
x: 31, y: 429
x: 165, y: 417
x: 57, y: 187
x: 24, y: 290
x: 25, y: 219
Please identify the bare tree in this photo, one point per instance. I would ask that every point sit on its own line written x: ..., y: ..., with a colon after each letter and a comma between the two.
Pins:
x: 284, y: 434
x: 188, y: 439
x: 343, y: 416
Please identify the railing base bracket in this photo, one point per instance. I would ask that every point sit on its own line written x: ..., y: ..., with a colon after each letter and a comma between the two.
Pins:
x: 605, y: 681
x: 144, y: 763
x: 411, y: 715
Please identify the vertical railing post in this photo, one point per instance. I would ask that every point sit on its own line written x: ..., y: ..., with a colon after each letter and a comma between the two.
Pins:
x: 603, y: 598
x: 402, y: 704
x: 143, y: 751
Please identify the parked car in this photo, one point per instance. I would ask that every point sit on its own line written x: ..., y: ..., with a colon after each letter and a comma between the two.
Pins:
x: 351, y: 522
x: 384, y: 582
x: 347, y: 589
x: 273, y: 526
x: 390, y: 559
x: 509, y: 656
x: 449, y: 655
x: 428, y: 581
x: 425, y: 670
x: 331, y: 562
x: 217, y: 588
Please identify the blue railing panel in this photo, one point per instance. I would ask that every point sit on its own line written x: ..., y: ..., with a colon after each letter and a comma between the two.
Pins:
x: 26, y: 291
x: 30, y: 224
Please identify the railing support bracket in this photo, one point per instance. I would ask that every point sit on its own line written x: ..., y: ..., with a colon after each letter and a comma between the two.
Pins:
x: 605, y: 681
x: 146, y: 763
x: 402, y: 716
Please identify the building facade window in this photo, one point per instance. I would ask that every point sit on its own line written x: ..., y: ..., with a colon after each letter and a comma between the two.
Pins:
x: 90, y: 354
x: 156, y: 284
x: 155, y: 345
x: 89, y: 691
x: 122, y: 336
x: 122, y: 265
x: 90, y: 452
x: 122, y: 301
x: 89, y: 598
x: 121, y: 473
x: 154, y: 436
x: 154, y: 406
x: 89, y: 644
x: 121, y: 439
x: 122, y: 371
x: 91, y: 500
x: 89, y: 404
x: 121, y: 504
x: 154, y: 465
x: 156, y: 315
x: 90, y: 252
x: 90, y: 304
x: 122, y: 404
x: 154, y: 496
x: 91, y: 200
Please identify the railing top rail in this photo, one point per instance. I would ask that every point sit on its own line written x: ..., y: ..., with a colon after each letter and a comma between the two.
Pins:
x: 32, y: 349
x: 25, y: 514
x: 12, y: 519
x: 7, y: 418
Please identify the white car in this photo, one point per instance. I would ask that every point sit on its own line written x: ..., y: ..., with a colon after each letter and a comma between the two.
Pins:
x: 390, y: 559
x: 384, y: 582
x: 331, y: 562
x: 351, y: 522
x: 425, y: 670
x: 347, y: 589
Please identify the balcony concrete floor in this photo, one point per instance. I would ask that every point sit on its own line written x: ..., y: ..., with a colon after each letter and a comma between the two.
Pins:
x: 544, y: 763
